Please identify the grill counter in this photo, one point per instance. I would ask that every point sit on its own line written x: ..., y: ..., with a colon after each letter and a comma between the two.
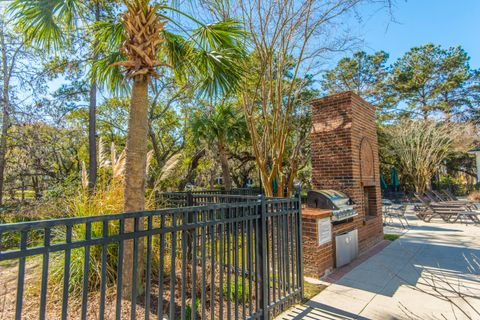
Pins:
x: 340, y: 204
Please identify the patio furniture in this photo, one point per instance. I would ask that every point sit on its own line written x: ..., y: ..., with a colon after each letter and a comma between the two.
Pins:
x: 391, y: 211
x: 421, y: 209
x: 450, y: 195
x: 448, y: 212
x: 441, y: 196
x: 396, y: 197
x: 435, y: 196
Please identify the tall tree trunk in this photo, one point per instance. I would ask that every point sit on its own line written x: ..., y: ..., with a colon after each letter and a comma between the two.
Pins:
x: 92, y: 117
x: 92, y: 142
x: 222, y: 153
x: 5, y: 110
x: 135, y: 166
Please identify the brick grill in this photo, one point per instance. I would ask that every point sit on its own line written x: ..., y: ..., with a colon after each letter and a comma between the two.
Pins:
x: 345, y: 158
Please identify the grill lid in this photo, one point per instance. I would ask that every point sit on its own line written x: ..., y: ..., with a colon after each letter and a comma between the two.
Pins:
x: 328, y: 199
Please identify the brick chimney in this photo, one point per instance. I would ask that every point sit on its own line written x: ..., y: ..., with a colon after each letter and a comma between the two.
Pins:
x: 345, y: 158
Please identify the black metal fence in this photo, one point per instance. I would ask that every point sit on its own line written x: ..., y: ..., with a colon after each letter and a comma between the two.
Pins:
x: 197, y: 197
x: 230, y: 259
x: 188, y: 199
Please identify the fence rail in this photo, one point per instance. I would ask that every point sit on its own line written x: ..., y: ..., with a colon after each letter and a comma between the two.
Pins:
x: 188, y: 199
x: 226, y: 258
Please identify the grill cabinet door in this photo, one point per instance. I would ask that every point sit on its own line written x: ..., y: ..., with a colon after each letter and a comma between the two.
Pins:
x: 346, y: 246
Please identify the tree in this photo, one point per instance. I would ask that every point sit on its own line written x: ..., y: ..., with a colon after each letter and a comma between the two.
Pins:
x: 431, y: 79
x: 18, y: 80
x: 221, y: 126
x: 210, y: 53
x: 366, y: 75
x: 288, y: 39
x: 42, y: 157
x: 164, y: 121
x: 207, y: 54
x: 419, y: 147
x: 52, y: 26
x: 8, y: 63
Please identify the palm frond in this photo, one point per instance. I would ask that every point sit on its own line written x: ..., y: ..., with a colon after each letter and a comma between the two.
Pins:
x: 211, y: 54
x: 109, y: 35
x: 217, y: 56
x: 218, y: 72
x: 175, y: 52
x: 228, y: 34
x: 108, y: 75
x: 45, y: 22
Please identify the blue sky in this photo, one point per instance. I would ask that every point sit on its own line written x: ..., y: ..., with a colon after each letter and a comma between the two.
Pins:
x: 444, y: 22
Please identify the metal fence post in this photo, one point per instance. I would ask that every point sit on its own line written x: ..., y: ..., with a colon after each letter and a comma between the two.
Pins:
x: 262, y: 243
x: 298, y: 203
x: 190, y: 232
x: 189, y: 198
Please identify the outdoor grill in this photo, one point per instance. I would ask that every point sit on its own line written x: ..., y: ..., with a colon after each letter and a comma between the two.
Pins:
x: 340, y: 204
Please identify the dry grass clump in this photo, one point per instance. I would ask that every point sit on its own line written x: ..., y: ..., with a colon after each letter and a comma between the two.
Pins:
x: 474, y: 196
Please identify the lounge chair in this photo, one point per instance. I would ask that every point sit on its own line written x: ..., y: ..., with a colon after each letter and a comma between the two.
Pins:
x: 421, y: 209
x: 432, y: 196
x: 441, y: 196
x: 448, y: 212
x: 450, y: 195
x: 435, y: 196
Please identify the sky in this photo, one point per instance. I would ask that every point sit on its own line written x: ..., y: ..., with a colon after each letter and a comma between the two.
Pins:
x: 413, y: 23
x: 444, y: 22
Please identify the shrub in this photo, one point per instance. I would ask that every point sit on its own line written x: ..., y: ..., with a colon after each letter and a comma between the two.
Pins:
x: 77, y: 259
x: 188, y: 308
x: 106, y: 199
x: 474, y: 196
x: 240, y: 290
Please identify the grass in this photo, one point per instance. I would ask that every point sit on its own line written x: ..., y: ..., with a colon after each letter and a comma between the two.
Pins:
x: 390, y: 236
x: 310, y: 290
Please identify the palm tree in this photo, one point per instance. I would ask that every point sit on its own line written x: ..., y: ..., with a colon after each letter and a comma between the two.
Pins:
x: 208, y: 54
x: 49, y: 24
x: 220, y: 126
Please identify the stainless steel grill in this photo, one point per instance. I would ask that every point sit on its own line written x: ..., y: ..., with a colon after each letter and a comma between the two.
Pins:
x: 340, y: 204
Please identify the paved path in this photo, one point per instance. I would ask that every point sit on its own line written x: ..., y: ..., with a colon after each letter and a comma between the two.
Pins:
x: 431, y: 272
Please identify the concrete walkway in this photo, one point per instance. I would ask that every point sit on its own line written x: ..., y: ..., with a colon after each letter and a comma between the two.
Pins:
x: 431, y: 272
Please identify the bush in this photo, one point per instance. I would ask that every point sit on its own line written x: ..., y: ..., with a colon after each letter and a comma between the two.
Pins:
x: 456, y: 185
x: 188, y: 308
x: 77, y: 259
x: 239, y: 292
x: 474, y: 196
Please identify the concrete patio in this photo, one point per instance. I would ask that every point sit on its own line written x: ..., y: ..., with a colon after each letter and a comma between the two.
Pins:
x: 431, y: 272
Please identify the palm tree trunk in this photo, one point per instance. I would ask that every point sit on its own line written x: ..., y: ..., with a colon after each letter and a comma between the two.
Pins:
x: 92, y: 130
x: 135, y: 166
x: 222, y: 152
